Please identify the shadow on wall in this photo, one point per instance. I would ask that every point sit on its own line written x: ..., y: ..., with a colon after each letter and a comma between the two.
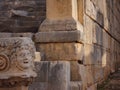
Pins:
x: 102, y: 56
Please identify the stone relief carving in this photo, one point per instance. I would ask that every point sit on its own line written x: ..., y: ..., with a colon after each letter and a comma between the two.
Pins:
x: 4, y: 62
x: 16, y: 61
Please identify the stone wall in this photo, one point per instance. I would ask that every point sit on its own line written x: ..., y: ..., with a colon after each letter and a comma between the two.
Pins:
x: 92, y: 59
x: 21, y: 15
x: 73, y: 58
x: 89, y: 60
x: 102, y: 40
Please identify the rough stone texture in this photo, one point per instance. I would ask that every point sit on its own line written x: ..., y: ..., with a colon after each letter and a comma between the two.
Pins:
x: 21, y: 15
x: 112, y: 83
x: 16, y: 88
x: 101, y: 37
x: 58, y: 25
x: 30, y: 35
x: 76, y: 86
x: 98, y: 54
x: 38, y: 86
x: 16, y: 61
x: 93, y: 87
x: 52, y: 75
x: 5, y: 35
x: 64, y: 18
x: 8, y: 35
x: 75, y: 71
x: 61, y: 51
x: 59, y: 36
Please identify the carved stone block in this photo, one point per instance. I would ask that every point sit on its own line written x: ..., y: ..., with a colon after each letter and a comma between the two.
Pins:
x: 16, y: 61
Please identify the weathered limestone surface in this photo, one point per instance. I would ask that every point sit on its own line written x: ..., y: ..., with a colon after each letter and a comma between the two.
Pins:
x: 21, y: 15
x: 101, y: 41
x: 8, y: 35
x: 61, y: 16
x: 76, y: 86
x: 75, y: 71
x: 16, y: 62
x: 59, y: 36
x: 52, y: 75
x: 61, y: 51
x: 16, y: 88
x: 92, y: 57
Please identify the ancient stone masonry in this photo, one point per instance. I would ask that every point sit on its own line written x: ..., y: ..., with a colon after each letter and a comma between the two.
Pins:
x: 16, y: 62
x: 78, y: 41
x: 21, y: 15
x: 101, y: 40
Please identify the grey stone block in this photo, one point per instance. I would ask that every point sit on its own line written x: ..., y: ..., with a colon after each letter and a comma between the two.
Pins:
x: 30, y: 35
x: 42, y: 71
x: 38, y: 86
x: 52, y: 75
x: 75, y: 71
x: 61, y: 51
x: 59, y: 75
x: 76, y: 85
x: 5, y: 35
x: 59, y: 36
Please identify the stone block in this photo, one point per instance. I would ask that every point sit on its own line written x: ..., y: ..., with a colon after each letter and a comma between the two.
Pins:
x: 59, y: 75
x: 92, y: 87
x: 30, y: 35
x: 94, y: 11
x: 52, y: 75
x: 27, y: 13
x: 37, y: 57
x: 58, y: 25
x: 88, y: 54
x: 5, y: 35
x: 106, y: 41
x: 75, y: 71
x: 16, y: 61
x: 98, y: 35
x: 42, y: 71
x: 92, y: 74
x: 98, y: 73
x: 59, y: 36
x: 92, y: 54
x: 97, y: 54
x: 61, y: 51
x: 90, y: 9
x: 88, y: 33
x: 15, y: 88
x: 87, y: 75
x: 76, y: 85
x: 38, y: 86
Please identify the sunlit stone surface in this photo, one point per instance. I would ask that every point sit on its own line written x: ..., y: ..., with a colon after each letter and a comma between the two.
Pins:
x: 16, y: 61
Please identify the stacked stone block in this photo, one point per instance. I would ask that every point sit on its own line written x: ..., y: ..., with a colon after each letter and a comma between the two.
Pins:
x: 21, y: 15
x: 79, y: 43
x: 60, y: 40
x: 102, y: 47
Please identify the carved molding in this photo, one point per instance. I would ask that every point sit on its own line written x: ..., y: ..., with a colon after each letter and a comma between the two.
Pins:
x: 16, y: 61
x: 4, y: 62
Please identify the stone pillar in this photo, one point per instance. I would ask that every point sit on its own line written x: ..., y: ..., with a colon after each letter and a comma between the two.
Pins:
x: 60, y: 38
x: 16, y: 63
x: 62, y: 15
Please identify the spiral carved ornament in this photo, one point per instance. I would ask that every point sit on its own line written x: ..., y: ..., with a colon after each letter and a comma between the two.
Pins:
x: 4, y: 62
